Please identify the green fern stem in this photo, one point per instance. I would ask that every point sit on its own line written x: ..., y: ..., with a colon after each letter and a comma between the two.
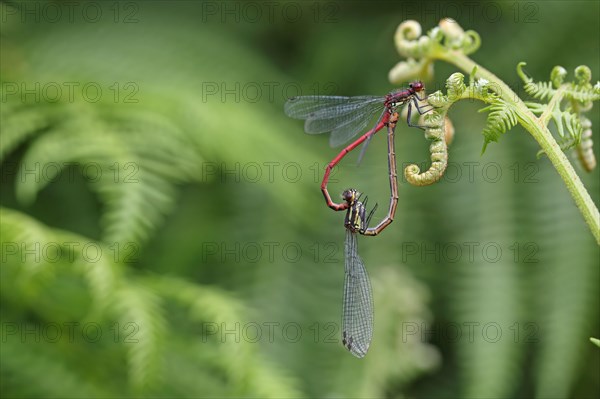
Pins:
x: 538, y: 129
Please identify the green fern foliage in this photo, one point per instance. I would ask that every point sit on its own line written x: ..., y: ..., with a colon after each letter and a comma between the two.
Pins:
x: 111, y: 292
x: 22, y: 364
x: 215, y: 312
x: 137, y: 307
x: 581, y: 91
x: 539, y: 90
x: 140, y: 309
x: 566, y: 103
x: 132, y: 163
x: 567, y: 124
x: 150, y: 132
x: 20, y: 123
x: 502, y: 117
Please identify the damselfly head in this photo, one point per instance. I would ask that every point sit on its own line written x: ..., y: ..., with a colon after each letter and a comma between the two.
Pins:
x: 350, y: 195
x: 416, y: 86
x: 355, y: 213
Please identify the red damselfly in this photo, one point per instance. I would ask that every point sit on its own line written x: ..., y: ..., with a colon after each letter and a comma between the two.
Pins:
x: 357, y: 308
x: 345, y: 117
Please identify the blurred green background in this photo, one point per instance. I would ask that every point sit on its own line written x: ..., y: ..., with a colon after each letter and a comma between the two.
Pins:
x: 164, y: 235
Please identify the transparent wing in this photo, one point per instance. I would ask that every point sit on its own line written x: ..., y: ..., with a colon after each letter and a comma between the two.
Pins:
x: 363, y: 150
x: 345, y: 117
x: 304, y: 107
x: 344, y: 132
x: 357, y: 314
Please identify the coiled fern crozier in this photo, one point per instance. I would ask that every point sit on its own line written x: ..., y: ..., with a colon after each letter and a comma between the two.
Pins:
x: 480, y: 292
x: 563, y: 103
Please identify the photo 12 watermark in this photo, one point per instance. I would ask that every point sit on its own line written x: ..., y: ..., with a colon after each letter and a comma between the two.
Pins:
x: 469, y: 252
x: 489, y: 12
x: 250, y: 252
x: 471, y: 332
x: 71, y: 12
x: 70, y: 172
x: 270, y: 12
x: 253, y: 92
x: 69, y: 332
x: 70, y: 92
x: 52, y: 252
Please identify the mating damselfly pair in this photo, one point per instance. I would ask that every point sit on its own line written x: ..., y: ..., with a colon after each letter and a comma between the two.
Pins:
x: 345, y: 117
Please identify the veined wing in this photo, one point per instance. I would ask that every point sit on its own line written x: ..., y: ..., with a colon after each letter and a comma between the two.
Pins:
x: 357, y: 314
x: 354, y: 125
x: 304, y: 107
x: 345, y: 117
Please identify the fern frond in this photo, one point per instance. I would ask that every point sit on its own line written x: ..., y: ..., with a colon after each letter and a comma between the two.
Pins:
x: 581, y: 91
x: 536, y: 108
x: 88, y: 150
x: 239, y: 360
x: 567, y: 124
x: 539, y: 90
x: 19, y: 124
x: 134, y: 305
x: 582, y: 94
x: 22, y: 364
x: 568, y: 142
x: 501, y: 118
x: 19, y: 235
x: 103, y: 277
x: 133, y: 164
x: 137, y: 306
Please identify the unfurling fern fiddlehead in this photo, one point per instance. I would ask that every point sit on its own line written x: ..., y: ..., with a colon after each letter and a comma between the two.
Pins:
x: 450, y: 43
x: 439, y: 129
x: 437, y: 125
x: 584, y: 150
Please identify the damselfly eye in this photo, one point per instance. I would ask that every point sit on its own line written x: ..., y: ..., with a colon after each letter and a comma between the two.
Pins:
x: 416, y: 86
x: 349, y: 195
